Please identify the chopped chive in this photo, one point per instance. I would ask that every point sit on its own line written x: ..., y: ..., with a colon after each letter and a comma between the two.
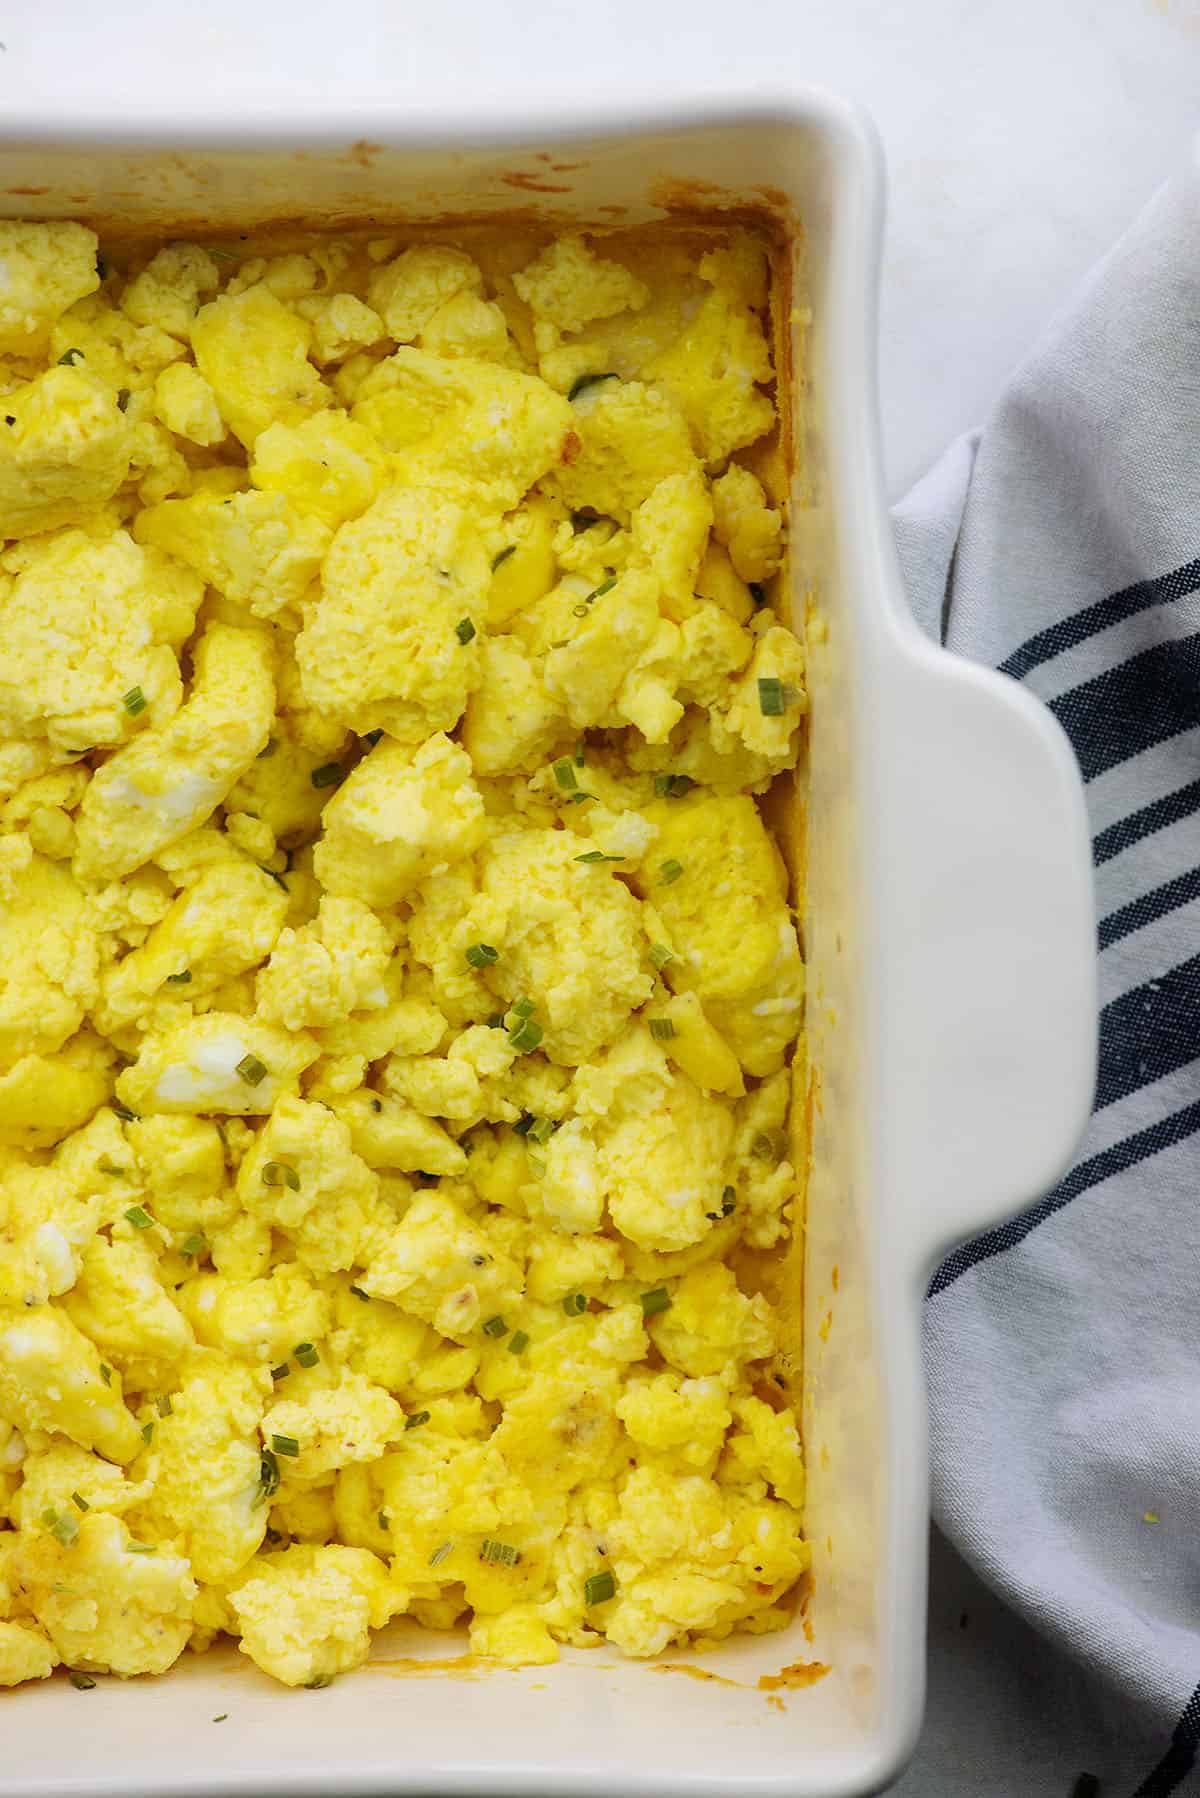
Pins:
x: 757, y: 594
x: 252, y: 1070
x: 481, y: 955
x: 277, y: 878
x: 148, y: 1432
x: 141, y: 1548
x: 510, y: 549
x: 564, y: 774
x: 581, y: 798
x: 579, y: 611
x: 770, y: 697
x: 80, y: 1502
x: 281, y: 1372
x: 464, y: 630
x: 524, y: 1124
x: 662, y: 1029
x: 439, y: 1554
x: 360, y: 1294
x: 329, y: 774
x: 106, y: 1373
x: 496, y: 1021
x: 285, y: 1445
x: 306, y: 1354
x: 654, y: 1302
x: 123, y: 1112
x: 134, y: 701
x: 598, y: 1588
x: 221, y: 1717
x: 268, y: 1475
x: 604, y: 587
x: 415, y: 1419
x: 526, y: 1036
x: 82, y: 1682
x: 498, y: 1554
x: 495, y: 1326
x: 64, y: 1527
x: 673, y: 786
x: 580, y: 747
x: 183, y: 978
x: 518, y: 1342
x: 767, y: 1146
x: 597, y: 855
x: 575, y: 1304
x: 139, y: 1217
x: 110, y: 1167
x: 278, y: 1173
x: 372, y: 737
x: 122, y: 398
x: 660, y: 955
x: 163, y: 1405
x: 70, y: 358
x: 383, y: 1520
x: 191, y: 1245
x: 319, y: 1682
x: 670, y: 871
x: 523, y: 1007
x: 581, y: 383
x: 542, y: 1129
x: 728, y: 1201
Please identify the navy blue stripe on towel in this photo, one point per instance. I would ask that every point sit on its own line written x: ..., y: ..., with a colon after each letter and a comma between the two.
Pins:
x: 1098, y: 617
x: 1146, y: 700
x: 1148, y: 1032
x: 1157, y: 816
x: 1085, y: 1174
x: 1180, y: 1757
x: 1149, y: 906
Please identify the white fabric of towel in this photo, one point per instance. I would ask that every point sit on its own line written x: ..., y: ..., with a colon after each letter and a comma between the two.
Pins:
x: 1061, y: 543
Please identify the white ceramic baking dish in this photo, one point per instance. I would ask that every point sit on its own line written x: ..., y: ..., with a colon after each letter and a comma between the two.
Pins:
x: 949, y: 935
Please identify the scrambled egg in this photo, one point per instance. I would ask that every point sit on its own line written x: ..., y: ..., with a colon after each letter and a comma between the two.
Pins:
x: 399, y: 986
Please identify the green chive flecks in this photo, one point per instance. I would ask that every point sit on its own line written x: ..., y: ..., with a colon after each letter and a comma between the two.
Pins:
x: 268, y: 1476
x: 604, y: 587
x: 518, y: 1342
x: 580, y: 749
x: 383, y: 1520
x: 541, y: 1130
x: 80, y: 1502
x: 670, y: 871
x: 415, y: 1419
x: 598, y: 1588
x: 281, y: 1372
x: 106, y: 1373
x: 770, y: 697
x: 70, y: 358
x: 329, y: 774
x: 285, y: 1445
x: 64, y: 1527
x: 360, y: 1294
x: 673, y: 786
x: 575, y: 1304
x: 372, y: 737
x: 526, y: 1035
x: 439, y: 1554
x: 662, y: 1029
x: 148, y: 1432
x: 123, y: 1112
x: 581, y: 383
x: 251, y: 1070
x: 728, y: 1201
x: 660, y: 955
x: 523, y: 1007
x: 524, y: 1124
x: 495, y: 1326
x: 82, y: 1682
x: 134, y: 701
x: 191, y: 1245
x: 481, y: 955
x: 655, y: 1301
x: 464, y: 630
x: 564, y: 774
x: 306, y: 1354
x: 597, y: 855
x: 498, y: 1554
x: 183, y: 978
x: 139, y: 1217
x: 163, y: 1405
x: 278, y: 1173
x: 510, y: 549
x: 123, y: 398
x: 319, y: 1682
x: 141, y: 1548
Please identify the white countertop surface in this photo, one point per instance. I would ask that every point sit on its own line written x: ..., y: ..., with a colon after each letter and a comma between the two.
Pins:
x: 1021, y: 135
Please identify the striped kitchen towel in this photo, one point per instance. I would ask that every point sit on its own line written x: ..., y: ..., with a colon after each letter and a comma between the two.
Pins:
x: 1061, y: 544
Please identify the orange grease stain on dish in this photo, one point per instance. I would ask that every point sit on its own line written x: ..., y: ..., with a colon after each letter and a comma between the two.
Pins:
x: 836, y: 1276
x: 717, y: 1679
x: 412, y: 1666
x: 528, y: 182
x: 793, y: 1678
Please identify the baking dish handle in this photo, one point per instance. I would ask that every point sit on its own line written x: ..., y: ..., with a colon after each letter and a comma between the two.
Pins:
x: 990, y: 974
